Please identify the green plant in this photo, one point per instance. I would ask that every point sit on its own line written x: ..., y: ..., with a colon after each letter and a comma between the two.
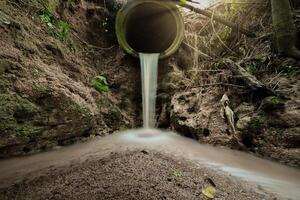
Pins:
x: 177, y: 173
x: 290, y: 70
x: 48, y: 18
x: 52, y: 6
x: 35, y: 72
x: 60, y: 28
x: 62, y: 31
x: 251, y: 68
x: 271, y: 103
x: 100, y: 83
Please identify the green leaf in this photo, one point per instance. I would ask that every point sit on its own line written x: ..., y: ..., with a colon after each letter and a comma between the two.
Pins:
x: 52, y: 6
x: 102, y: 79
x: 101, y: 88
x: 64, y: 27
x: 100, y: 84
x: 177, y: 173
x: 45, y: 18
x: 60, y: 28
x: 58, y: 35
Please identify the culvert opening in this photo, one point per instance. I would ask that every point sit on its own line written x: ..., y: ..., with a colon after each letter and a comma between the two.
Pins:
x: 150, y: 28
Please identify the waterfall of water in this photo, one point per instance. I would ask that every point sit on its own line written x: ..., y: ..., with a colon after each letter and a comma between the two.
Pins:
x: 149, y: 85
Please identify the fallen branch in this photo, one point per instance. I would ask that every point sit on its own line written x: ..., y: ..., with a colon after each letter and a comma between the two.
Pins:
x: 219, y: 19
x: 198, y: 51
x: 250, y: 80
x: 218, y: 84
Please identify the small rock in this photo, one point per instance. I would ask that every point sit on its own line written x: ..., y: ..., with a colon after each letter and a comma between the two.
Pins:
x: 145, y: 152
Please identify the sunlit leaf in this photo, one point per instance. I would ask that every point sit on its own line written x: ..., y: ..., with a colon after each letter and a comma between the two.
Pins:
x: 101, y: 84
x: 177, y: 173
x: 209, y: 192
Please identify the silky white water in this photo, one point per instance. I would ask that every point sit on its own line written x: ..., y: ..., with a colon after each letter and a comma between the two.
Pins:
x: 149, y: 64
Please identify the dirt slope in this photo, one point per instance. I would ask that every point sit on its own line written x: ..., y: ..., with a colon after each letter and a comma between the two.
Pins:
x: 46, y: 92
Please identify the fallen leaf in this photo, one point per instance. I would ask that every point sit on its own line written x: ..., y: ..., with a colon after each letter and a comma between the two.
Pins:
x: 209, y: 192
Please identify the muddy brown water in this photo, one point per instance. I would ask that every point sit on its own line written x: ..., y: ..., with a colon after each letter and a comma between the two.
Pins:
x: 281, y: 180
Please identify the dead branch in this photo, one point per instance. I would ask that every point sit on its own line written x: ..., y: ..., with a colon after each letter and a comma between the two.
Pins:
x: 219, y: 19
x: 251, y: 81
x: 219, y: 84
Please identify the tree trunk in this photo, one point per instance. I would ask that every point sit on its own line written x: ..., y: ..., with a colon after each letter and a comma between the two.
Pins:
x: 284, y: 27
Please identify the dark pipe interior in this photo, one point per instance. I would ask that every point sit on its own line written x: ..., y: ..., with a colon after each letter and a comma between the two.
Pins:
x: 150, y: 28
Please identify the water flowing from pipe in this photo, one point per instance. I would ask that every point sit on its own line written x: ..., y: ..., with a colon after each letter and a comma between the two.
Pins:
x: 149, y: 64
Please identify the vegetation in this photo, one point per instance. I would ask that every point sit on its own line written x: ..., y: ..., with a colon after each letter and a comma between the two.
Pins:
x: 59, y: 28
x: 177, y: 173
x: 35, y: 72
x: 291, y: 70
x: 271, y: 103
x: 100, y: 84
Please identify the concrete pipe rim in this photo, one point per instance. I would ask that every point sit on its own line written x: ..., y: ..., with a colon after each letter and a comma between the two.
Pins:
x: 121, y: 20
